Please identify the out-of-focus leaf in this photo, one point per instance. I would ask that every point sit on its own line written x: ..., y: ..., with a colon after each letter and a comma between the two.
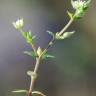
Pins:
x: 70, y: 14
x: 64, y: 35
x: 20, y: 91
x: 31, y: 74
x: 86, y: 5
x: 28, y: 36
x: 30, y: 53
x: 51, y: 33
x: 37, y: 93
x: 24, y: 34
x: 80, y: 6
x: 45, y: 56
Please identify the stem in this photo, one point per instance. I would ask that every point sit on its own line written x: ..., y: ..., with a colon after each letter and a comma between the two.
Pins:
x: 48, y: 46
x: 34, y: 78
x: 34, y: 48
x: 37, y: 64
x: 66, y: 27
x: 44, y: 51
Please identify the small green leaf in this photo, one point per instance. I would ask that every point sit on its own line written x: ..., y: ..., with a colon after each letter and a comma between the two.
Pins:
x: 20, y: 91
x: 24, y: 34
x: 51, y: 33
x: 38, y: 93
x: 70, y: 14
x: 47, y: 56
x: 28, y: 36
x: 30, y: 53
x: 86, y: 5
x: 79, y: 14
x: 64, y: 35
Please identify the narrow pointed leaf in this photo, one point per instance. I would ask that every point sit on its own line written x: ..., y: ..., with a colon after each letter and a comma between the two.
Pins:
x: 24, y: 34
x: 48, y: 56
x: 70, y: 14
x: 86, y: 5
x: 20, y: 91
x: 45, y: 56
x: 28, y: 36
x: 38, y: 93
x: 51, y: 33
x: 30, y: 53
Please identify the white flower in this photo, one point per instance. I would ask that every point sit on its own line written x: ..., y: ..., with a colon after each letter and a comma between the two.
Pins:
x: 77, y: 4
x: 18, y: 24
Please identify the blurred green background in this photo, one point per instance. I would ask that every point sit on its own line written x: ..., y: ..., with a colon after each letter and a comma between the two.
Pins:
x: 73, y: 70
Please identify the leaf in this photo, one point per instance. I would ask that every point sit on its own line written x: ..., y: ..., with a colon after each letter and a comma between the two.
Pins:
x: 28, y: 36
x: 65, y: 35
x: 51, y: 33
x: 20, y: 91
x: 31, y: 74
x: 68, y: 34
x: 79, y: 14
x: 47, y: 56
x: 24, y: 34
x: 38, y: 93
x: 86, y: 5
x: 30, y: 53
x: 70, y: 14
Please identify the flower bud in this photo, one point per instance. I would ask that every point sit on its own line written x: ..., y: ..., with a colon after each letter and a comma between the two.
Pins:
x: 18, y: 24
x: 39, y: 51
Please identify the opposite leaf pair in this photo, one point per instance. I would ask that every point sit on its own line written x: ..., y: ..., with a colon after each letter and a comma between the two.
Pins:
x: 34, y: 93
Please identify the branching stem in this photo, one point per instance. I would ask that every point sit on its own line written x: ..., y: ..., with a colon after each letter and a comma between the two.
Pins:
x: 38, y: 59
